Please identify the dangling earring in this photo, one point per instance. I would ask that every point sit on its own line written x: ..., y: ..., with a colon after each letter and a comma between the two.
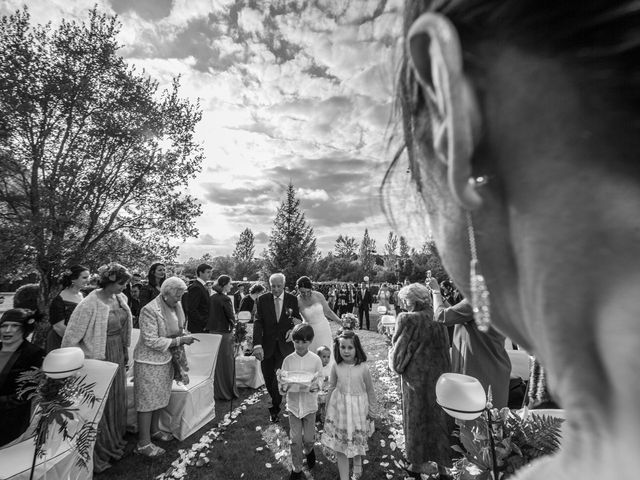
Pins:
x: 479, y: 293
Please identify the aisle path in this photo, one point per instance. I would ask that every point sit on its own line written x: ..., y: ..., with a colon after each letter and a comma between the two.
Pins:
x: 250, y: 447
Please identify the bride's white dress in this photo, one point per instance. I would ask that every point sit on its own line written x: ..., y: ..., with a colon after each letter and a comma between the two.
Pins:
x: 314, y: 316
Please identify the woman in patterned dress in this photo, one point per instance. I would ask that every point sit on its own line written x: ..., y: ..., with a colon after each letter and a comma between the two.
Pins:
x: 101, y: 326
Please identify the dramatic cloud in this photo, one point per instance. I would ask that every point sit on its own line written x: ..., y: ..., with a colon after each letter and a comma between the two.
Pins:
x: 291, y: 91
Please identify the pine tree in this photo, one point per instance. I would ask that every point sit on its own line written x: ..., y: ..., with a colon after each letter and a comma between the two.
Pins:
x: 403, y: 247
x: 243, y: 255
x: 391, y: 246
x: 292, y: 243
x: 367, y: 251
x: 244, y: 246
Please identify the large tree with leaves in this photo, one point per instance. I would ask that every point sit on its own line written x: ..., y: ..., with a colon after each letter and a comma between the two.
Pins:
x: 292, y: 243
x: 346, y: 247
x: 93, y: 152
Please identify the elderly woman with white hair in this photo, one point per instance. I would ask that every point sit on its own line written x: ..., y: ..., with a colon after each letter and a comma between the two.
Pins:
x: 161, y: 327
x: 420, y: 354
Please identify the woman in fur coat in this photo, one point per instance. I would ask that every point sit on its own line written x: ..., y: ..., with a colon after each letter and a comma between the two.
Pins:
x: 420, y: 354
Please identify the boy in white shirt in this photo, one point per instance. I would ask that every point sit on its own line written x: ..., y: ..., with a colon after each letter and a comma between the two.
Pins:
x: 302, y: 404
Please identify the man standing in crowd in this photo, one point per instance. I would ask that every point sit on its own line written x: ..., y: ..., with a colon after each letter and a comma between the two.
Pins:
x: 363, y: 302
x: 237, y: 298
x: 197, y: 300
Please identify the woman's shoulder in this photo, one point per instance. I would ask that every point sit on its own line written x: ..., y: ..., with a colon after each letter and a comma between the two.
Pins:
x: 90, y: 301
x: 317, y: 295
x: 152, y: 307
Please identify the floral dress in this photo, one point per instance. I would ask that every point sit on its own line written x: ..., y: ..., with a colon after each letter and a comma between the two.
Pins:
x: 346, y: 428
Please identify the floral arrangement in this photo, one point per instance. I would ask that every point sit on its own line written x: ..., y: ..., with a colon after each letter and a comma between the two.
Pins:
x: 518, y: 441
x: 350, y: 321
x: 59, y: 400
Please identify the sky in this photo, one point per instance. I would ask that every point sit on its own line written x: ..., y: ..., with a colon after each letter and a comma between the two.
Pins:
x: 291, y: 91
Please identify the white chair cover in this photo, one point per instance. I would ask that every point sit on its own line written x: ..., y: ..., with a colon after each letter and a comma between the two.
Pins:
x: 248, y: 372
x: 61, y: 458
x: 190, y: 406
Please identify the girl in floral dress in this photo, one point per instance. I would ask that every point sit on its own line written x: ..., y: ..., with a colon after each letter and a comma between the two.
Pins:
x: 349, y: 404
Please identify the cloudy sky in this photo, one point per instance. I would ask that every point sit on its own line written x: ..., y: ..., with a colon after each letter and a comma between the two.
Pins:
x: 291, y: 90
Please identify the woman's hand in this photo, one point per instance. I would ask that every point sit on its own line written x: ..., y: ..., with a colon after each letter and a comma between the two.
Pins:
x: 434, y: 285
x: 187, y: 340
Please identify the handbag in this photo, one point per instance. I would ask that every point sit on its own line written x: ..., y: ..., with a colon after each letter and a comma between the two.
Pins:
x: 179, y: 363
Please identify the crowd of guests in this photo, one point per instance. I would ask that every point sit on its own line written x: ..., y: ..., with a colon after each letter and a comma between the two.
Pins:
x: 167, y: 311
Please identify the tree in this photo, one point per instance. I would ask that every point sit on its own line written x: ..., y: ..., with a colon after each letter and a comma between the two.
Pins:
x: 346, y: 247
x: 427, y: 258
x: 96, y: 153
x: 292, y: 243
x: 390, y: 254
x: 367, y: 253
x: 222, y: 265
x: 391, y: 247
x: 190, y: 267
x: 243, y: 255
x: 403, y: 247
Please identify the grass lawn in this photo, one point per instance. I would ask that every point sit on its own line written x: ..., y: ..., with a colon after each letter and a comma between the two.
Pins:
x: 250, y: 447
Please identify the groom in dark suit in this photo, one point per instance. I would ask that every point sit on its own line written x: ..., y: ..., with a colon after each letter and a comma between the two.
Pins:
x: 363, y: 302
x: 275, y: 312
x: 197, y: 300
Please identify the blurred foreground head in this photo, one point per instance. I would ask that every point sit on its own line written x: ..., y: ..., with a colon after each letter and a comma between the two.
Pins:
x: 522, y: 120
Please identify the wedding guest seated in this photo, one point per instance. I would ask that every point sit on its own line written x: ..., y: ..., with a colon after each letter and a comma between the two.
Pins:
x: 17, y: 355
x: 72, y: 280
x: 162, y: 324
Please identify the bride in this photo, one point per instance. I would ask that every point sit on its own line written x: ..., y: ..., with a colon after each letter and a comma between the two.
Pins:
x: 315, y: 310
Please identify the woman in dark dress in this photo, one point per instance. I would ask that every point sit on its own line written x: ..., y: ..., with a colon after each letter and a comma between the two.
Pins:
x: 73, y: 280
x: 248, y: 303
x: 420, y: 354
x: 222, y: 321
x: 157, y: 274
x: 17, y: 355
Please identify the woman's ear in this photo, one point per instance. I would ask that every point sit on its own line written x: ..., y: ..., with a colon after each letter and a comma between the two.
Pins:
x: 435, y: 57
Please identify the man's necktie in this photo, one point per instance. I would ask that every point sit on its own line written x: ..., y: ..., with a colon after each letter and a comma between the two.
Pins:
x: 278, y: 308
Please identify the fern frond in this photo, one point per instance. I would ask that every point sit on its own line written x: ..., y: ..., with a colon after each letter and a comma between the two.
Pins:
x: 85, y: 438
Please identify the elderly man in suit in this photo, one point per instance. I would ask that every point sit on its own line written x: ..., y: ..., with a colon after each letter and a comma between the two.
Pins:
x: 197, y: 300
x: 276, y: 314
